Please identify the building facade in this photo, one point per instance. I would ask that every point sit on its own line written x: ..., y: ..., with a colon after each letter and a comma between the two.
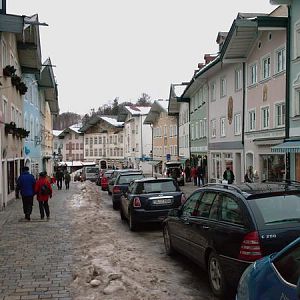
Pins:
x: 164, y: 135
x: 104, y: 141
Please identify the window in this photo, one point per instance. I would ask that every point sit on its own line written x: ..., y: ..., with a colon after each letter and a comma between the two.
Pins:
x: 238, y: 79
x: 91, y: 152
x: 213, y: 91
x: 213, y: 128
x: 190, y: 204
x: 196, y: 131
x: 86, y: 141
x: 222, y: 126
x: 165, y: 130
x: 95, y: 140
x: 288, y: 265
x: 4, y: 109
x: 204, y: 128
x: 100, y: 140
x: 237, y: 124
x: 136, y: 129
x: 77, y: 146
x: 192, y: 132
x: 81, y: 146
x: 230, y: 211
x: 223, y: 87
x: 253, y: 74
x: 100, y: 152
x: 4, y: 55
x: 265, y: 117
x: 205, y: 204
x: 96, y: 152
x: 86, y: 152
x: 280, y: 60
x: 252, y: 120
x: 279, y: 114
x: 201, y: 129
x: 91, y: 141
x: 297, y: 40
x: 266, y: 67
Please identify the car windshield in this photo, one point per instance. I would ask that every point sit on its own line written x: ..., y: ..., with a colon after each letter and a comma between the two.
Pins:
x: 278, y: 209
x: 126, y: 179
x: 92, y: 170
x: 156, y: 187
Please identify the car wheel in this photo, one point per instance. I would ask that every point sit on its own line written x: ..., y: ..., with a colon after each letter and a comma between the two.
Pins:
x: 167, y: 241
x: 122, y: 214
x: 216, y: 276
x: 132, y: 223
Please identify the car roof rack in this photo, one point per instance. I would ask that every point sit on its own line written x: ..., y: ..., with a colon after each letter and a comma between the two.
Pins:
x: 227, y: 186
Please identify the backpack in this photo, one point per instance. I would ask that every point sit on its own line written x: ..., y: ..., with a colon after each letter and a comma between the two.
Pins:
x: 45, y: 189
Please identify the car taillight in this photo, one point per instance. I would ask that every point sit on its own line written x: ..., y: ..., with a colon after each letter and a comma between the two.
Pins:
x: 182, y: 173
x: 116, y: 190
x: 137, y: 202
x: 183, y: 198
x: 250, y: 248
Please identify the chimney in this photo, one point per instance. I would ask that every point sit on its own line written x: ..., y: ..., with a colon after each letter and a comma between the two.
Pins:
x: 3, y: 7
x: 201, y: 65
x: 208, y: 58
x: 221, y: 39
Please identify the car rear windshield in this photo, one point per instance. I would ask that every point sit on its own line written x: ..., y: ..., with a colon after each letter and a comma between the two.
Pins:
x: 156, y: 187
x: 283, y: 209
x: 126, y: 179
x: 92, y: 170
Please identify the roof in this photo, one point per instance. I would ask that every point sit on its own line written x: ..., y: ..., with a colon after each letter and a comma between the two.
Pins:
x: 138, y: 110
x: 76, y: 127
x: 112, y: 120
x: 57, y: 132
x: 157, y: 107
x: 176, y: 91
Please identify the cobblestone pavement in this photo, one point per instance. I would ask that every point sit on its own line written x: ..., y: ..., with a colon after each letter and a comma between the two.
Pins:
x: 36, y: 256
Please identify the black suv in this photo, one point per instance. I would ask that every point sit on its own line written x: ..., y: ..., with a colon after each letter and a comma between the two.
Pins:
x: 224, y: 228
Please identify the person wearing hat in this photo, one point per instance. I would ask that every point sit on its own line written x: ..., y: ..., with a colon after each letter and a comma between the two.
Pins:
x: 26, y: 186
x: 43, y: 191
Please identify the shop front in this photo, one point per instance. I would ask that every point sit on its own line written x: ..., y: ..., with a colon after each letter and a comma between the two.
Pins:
x: 273, y: 167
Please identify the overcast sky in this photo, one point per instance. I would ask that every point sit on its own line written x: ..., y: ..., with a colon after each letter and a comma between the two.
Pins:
x: 105, y: 49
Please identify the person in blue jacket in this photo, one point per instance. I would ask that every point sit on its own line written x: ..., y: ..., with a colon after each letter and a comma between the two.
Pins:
x: 26, y: 185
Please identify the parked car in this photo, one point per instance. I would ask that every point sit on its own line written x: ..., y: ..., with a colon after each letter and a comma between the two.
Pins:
x: 175, y: 171
x: 121, y: 185
x: 90, y: 173
x: 149, y: 200
x: 224, y: 228
x: 104, y: 179
x: 114, y: 175
x: 78, y: 175
x: 276, y: 276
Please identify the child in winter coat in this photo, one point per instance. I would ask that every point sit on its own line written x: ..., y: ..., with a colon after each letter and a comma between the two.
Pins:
x: 43, y: 191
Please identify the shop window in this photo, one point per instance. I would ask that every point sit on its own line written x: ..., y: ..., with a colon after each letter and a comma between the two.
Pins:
x: 273, y: 167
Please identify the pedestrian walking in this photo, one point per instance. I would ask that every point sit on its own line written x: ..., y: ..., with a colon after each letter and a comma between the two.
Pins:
x: 200, y: 175
x: 59, y: 178
x: 26, y: 186
x: 228, y: 175
x: 43, y: 191
x: 187, y: 172
x: 194, y: 175
x: 67, y: 180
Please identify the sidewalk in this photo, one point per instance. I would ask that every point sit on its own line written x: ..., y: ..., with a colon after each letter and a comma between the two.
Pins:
x: 188, y: 188
x: 36, y: 256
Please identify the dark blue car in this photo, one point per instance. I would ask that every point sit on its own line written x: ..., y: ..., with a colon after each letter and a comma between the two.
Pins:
x: 121, y: 185
x: 273, y: 277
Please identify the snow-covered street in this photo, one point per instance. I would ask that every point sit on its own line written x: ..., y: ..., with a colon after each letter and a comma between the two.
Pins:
x: 113, y: 263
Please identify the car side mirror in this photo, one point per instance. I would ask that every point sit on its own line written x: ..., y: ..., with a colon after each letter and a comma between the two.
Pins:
x: 175, y: 212
x: 298, y: 289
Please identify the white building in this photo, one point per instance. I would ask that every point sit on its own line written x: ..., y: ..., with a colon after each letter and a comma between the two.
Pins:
x: 104, y: 141
x: 137, y: 137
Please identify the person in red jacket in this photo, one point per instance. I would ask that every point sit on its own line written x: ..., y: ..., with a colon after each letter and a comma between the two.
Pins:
x: 43, y: 191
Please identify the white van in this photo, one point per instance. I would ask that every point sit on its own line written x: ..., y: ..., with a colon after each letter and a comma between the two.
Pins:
x: 90, y: 173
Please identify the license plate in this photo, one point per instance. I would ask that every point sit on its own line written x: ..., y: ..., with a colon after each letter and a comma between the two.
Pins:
x: 162, y: 201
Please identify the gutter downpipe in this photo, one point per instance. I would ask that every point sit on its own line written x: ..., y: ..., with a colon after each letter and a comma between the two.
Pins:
x: 287, y: 91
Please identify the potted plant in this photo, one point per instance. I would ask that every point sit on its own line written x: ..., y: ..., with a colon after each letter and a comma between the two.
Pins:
x: 9, y: 71
x: 15, y: 80
x: 10, y: 128
x: 22, y: 88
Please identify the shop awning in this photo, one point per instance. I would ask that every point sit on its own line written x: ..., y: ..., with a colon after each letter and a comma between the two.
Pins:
x: 287, y: 147
x: 154, y: 162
